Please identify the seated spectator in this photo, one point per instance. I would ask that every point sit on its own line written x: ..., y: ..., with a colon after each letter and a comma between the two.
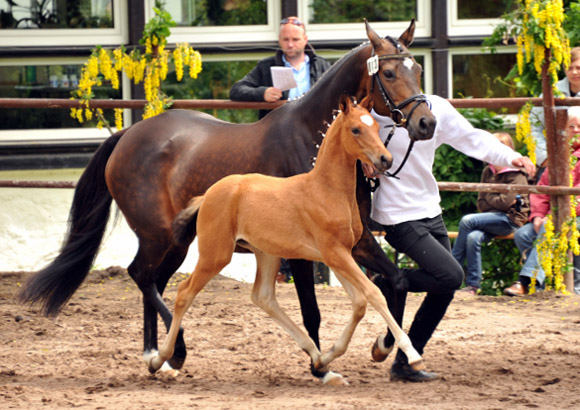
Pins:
x: 569, y: 86
x: 499, y: 214
x: 540, y: 208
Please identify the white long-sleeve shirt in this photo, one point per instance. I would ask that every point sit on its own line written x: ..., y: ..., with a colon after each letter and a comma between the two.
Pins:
x: 415, y: 194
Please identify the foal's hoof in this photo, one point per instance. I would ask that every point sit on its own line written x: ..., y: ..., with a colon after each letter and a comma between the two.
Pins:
x: 334, y: 379
x: 379, y: 351
x: 153, y: 361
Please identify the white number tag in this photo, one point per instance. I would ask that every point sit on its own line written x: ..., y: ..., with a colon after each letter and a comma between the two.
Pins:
x: 373, y: 65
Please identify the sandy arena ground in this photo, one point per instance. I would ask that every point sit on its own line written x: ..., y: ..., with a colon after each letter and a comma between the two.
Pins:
x: 491, y: 353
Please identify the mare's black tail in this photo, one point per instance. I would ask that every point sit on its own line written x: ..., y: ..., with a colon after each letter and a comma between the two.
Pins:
x: 54, y: 285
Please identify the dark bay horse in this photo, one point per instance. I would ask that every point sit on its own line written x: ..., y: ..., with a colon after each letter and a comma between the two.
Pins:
x: 268, y: 216
x: 153, y: 168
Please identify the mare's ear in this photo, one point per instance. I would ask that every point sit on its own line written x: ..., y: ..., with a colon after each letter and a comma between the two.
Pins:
x: 409, y: 35
x: 376, y: 41
x: 367, y: 103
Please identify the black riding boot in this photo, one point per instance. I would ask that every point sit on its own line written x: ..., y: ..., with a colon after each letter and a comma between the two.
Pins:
x: 426, y: 320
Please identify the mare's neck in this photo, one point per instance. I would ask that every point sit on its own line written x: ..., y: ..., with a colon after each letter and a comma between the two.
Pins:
x: 343, y: 77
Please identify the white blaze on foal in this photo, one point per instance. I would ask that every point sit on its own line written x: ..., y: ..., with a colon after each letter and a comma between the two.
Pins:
x: 366, y: 119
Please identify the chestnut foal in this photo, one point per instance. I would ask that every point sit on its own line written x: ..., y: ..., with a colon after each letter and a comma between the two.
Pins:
x: 311, y: 216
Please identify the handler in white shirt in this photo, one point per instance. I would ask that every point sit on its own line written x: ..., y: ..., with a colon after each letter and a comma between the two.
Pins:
x: 408, y: 208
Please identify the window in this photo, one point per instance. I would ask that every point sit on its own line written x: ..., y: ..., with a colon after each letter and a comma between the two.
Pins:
x: 481, y: 75
x: 219, y: 73
x: 347, y: 11
x: 343, y: 20
x: 202, y: 21
x: 38, y: 14
x: 62, y: 22
x: 31, y: 80
x: 215, y: 13
x: 469, y: 18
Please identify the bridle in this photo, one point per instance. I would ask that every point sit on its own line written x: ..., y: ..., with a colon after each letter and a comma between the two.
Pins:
x: 397, y: 115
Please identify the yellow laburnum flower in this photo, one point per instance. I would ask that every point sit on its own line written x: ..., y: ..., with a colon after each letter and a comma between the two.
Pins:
x: 80, y: 116
x: 148, y: 46
x: 119, y: 118
x: 93, y: 66
x: 105, y: 64
x: 178, y: 62
x: 119, y: 55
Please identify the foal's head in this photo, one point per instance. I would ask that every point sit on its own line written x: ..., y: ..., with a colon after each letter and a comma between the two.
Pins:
x: 360, y: 134
x: 394, y: 83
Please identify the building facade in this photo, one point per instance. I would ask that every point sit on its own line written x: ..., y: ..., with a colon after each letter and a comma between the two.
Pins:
x: 43, y: 44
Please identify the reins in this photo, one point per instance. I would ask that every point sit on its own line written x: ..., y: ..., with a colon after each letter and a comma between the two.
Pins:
x: 398, y: 117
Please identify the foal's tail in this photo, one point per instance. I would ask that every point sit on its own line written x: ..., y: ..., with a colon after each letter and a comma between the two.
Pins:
x: 54, y: 285
x: 184, y: 224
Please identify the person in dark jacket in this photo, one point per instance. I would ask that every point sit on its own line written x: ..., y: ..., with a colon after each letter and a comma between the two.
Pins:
x: 499, y: 214
x: 296, y: 53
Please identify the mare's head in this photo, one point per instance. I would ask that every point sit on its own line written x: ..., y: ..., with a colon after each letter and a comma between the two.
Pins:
x: 394, y: 83
x: 360, y: 133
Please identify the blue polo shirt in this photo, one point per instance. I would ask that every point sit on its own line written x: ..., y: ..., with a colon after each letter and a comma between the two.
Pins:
x: 302, y: 77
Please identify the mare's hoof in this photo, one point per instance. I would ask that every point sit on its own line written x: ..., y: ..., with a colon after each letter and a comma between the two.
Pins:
x: 318, y: 372
x: 379, y: 351
x: 153, y: 361
x: 334, y: 379
x: 176, y: 362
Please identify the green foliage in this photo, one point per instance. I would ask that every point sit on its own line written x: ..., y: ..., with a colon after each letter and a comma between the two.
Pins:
x: 160, y: 25
x: 500, y: 264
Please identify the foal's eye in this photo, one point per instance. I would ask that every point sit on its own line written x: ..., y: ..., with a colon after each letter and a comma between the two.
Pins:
x: 389, y: 74
x: 356, y: 132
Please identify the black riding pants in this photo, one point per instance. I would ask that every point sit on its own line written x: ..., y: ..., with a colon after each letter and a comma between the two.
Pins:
x: 438, y: 273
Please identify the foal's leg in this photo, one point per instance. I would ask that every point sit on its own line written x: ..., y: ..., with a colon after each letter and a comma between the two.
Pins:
x: 264, y: 296
x: 391, y: 282
x: 344, y: 264
x: 359, y: 307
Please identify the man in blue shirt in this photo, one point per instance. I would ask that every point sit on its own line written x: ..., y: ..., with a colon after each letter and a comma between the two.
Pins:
x: 296, y: 53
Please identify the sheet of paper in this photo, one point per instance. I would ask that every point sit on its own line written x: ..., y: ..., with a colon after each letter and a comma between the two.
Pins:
x: 282, y: 78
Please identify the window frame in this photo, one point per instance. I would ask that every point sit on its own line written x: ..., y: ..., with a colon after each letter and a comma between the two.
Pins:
x: 119, y: 34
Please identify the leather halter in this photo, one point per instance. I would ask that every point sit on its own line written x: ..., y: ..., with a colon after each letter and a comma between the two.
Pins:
x: 398, y: 117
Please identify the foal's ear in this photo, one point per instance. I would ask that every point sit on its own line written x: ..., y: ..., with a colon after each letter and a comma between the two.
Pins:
x: 367, y: 103
x: 409, y: 35
x: 344, y: 102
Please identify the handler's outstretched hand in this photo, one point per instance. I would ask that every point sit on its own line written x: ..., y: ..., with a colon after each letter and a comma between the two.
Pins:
x: 526, y: 164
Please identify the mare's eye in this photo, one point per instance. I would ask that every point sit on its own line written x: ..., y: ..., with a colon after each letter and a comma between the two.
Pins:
x: 389, y: 74
x: 356, y: 132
